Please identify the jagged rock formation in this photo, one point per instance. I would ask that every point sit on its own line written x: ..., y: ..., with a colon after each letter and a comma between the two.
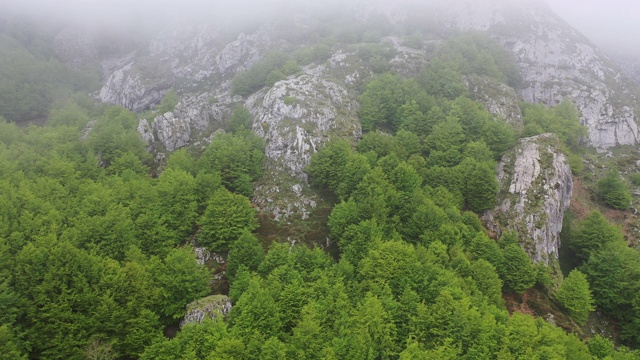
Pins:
x: 556, y: 63
x: 296, y: 118
x: 130, y: 89
x: 211, y: 307
x: 631, y: 67
x: 172, y: 132
x: 238, y: 55
x: 535, y: 190
x: 298, y: 115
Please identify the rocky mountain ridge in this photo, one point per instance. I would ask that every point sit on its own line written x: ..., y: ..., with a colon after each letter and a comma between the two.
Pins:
x: 298, y: 114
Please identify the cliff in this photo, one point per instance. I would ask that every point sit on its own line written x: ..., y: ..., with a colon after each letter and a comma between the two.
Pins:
x: 535, y: 191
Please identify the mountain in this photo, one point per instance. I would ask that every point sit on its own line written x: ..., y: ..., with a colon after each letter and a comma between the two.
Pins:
x: 408, y: 165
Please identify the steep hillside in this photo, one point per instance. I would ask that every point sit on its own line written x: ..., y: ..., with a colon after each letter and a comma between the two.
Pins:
x: 369, y: 180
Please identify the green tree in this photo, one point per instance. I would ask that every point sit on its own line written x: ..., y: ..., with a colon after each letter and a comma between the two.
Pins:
x: 574, y: 294
x: 441, y: 79
x: 246, y: 251
x: 241, y: 118
x: 380, y: 103
x: 487, y: 280
x: 10, y: 345
x: 480, y: 185
x: 176, y: 203
x: 600, y: 347
x: 516, y: 270
x: 168, y: 102
x: 562, y: 120
x: 237, y: 158
x: 413, y: 120
x: 614, y: 191
x: 592, y: 234
x: 226, y: 218
x: 181, y: 280
x: 256, y: 312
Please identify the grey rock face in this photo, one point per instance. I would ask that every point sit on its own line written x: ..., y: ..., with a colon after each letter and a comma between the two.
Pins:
x: 558, y: 63
x: 146, y: 133
x: 127, y: 88
x: 498, y: 98
x: 212, y: 307
x: 555, y: 69
x: 296, y: 118
x: 535, y: 190
x: 190, y: 53
x: 171, y: 131
x: 240, y: 54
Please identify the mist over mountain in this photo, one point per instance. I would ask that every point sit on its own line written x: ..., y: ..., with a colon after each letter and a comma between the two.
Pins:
x: 359, y: 179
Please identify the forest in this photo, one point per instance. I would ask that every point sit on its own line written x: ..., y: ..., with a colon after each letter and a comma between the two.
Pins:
x: 97, y: 241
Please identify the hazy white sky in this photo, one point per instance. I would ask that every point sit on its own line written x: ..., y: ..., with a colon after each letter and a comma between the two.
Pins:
x: 614, y: 25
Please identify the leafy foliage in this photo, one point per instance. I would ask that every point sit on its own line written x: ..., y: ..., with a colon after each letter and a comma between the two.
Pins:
x: 227, y: 216
x: 273, y: 67
x: 614, y: 191
x: 562, y: 120
x: 575, y: 295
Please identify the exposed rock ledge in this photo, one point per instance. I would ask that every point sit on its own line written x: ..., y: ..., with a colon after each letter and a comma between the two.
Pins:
x: 212, y: 307
x: 535, y: 191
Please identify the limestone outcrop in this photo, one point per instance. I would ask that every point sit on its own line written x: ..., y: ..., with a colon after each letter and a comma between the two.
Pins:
x: 171, y: 131
x: 557, y: 63
x: 296, y: 118
x: 128, y: 88
x: 535, y: 190
x: 212, y: 307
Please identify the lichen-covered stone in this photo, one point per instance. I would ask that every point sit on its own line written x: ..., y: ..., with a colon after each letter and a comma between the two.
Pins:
x: 243, y: 52
x: 171, y: 131
x: 126, y: 87
x: 296, y: 118
x: 212, y: 307
x: 535, y: 191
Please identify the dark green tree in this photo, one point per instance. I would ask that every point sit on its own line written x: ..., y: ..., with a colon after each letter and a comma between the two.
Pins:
x: 614, y: 191
x: 592, y: 234
x: 246, y: 251
x: 226, y: 218
x: 574, y: 294
x: 181, y: 281
x: 516, y: 270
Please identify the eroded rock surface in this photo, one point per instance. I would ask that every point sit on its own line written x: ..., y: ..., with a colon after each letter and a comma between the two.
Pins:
x: 535, y: 190
x: 171, y: 131
x: 212, y: 307
x: 126, y: 87
x: 296, y: 118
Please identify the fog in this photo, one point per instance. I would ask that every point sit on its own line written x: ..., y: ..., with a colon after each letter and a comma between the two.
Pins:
x: 612, y: 25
